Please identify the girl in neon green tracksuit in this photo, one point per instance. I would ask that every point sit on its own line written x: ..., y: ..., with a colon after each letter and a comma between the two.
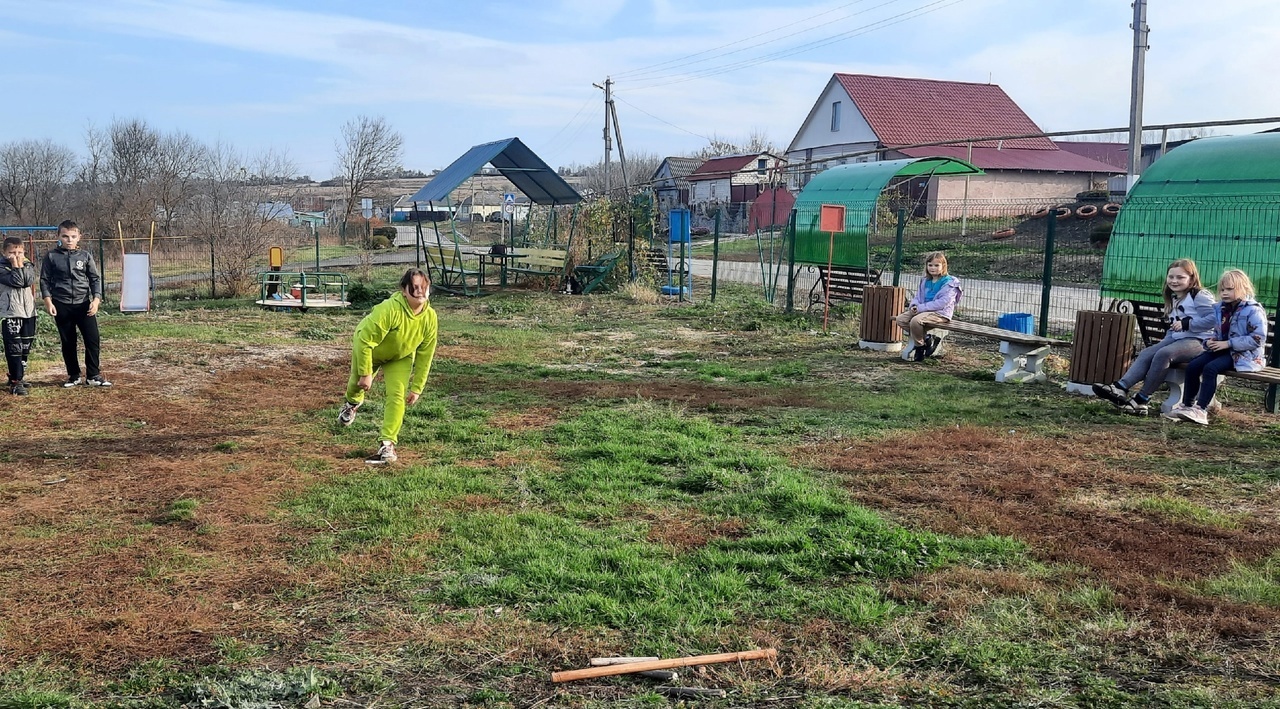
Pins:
x: 399, y: 337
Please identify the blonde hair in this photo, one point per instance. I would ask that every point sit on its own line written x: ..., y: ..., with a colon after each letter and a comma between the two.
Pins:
x: 1239, y: 280
x: 935, y: 256
x: 1192, y: 270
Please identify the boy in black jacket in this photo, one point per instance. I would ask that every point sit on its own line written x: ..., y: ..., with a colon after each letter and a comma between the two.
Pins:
x: 72, y: 289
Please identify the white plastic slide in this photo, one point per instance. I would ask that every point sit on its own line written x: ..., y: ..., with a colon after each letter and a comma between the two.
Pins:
x: 135, y: 284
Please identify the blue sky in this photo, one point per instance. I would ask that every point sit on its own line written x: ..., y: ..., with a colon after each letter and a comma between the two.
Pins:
x: 286, y: 74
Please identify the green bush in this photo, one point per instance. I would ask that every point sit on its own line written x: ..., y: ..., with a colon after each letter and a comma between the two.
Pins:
x: 387, y: 231
x: 378, y: 241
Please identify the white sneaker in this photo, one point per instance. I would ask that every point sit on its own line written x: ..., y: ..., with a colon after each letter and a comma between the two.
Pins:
x: 72, y: 381
x: 1195, y: 414
x: 98, y: 381
x: 386, y: 454
x: 1175, y: 413
x: 347, y: 413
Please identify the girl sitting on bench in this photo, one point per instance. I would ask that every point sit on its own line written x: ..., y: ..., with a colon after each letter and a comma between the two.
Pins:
x: 1189, y: 309
x: 934, y: 304
x: 1236, y: 344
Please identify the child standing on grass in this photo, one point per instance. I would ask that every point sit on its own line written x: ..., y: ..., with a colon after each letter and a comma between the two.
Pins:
x: 1189, y: 309
x: 1237, y: 343
x: 934, y: 304
x: 17, y: 311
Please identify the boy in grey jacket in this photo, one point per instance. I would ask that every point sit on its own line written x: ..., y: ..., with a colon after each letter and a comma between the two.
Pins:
x: 72, y: 290
x: 17, y: 311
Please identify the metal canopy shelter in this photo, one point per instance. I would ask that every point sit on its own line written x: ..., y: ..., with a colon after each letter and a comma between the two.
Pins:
x: 1213, y: 200
x: 857, y: 187
x: 515, y: 161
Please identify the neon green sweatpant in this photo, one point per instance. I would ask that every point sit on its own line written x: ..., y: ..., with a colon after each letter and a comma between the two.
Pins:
x: 395, y: 375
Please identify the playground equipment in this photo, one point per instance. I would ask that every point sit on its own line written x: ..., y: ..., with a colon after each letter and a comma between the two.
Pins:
x: 282, y: 290
x: 679, y: 255
x: 135, y: 278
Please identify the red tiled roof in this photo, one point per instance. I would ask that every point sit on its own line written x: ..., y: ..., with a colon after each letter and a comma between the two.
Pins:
x: 718, y: 168
x: 1113, y: 154
x: 911, y: 111
x: 1014, y: 158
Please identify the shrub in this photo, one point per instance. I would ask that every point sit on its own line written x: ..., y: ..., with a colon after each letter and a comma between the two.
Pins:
x: 1093, y: 196
x: 1100, y: 234
x: 378, y: 241
x: 387, y: 231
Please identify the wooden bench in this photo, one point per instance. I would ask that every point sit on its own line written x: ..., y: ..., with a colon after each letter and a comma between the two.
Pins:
x: 847, y: 284
x: 1023, y: 354
x: 1152, y: 325
x: 592, y: 273
x: 546, y: 263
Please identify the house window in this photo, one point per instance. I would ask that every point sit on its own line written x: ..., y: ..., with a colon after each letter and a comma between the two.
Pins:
x: 835, y: 116
x: 713, y: 190
x: 761, y: 166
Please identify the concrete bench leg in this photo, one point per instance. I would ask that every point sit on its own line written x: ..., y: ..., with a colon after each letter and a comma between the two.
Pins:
x: 1022, y: 363
x: 1177, y: 380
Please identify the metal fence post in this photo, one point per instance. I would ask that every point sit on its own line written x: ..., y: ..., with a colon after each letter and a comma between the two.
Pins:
x: 715, y: 257
x: 1272, y: 399
x: 102, y: 264
x: 213, y: 276
x: 791, y: 263
x: 1046, y: 289
x: 897, y: 246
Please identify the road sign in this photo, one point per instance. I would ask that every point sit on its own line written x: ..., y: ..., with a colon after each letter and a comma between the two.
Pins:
x: 509, y: 198
x: 366, y: 207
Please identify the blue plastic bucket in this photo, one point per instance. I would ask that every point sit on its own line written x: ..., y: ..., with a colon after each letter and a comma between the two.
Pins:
x: 1018, y: 322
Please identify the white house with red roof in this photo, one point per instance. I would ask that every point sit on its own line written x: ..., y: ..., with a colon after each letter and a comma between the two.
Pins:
x: 735, y: 179
x: 862, y: 118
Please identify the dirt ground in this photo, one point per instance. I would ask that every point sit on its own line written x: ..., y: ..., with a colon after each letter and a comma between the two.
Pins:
x: 101, y: 573
x: 1058, y: 497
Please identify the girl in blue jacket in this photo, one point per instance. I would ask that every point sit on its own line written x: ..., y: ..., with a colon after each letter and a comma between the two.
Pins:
x: 1237, y: 344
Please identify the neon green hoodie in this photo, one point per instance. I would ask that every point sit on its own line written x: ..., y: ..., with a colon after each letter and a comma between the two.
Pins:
x: 390, y: 332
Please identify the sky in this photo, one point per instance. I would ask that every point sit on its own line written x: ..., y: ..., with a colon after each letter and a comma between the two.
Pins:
x: 285, y: 75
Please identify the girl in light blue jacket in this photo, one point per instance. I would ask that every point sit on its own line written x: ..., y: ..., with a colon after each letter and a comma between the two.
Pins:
x: 1238, y: 341
x: 1189, y: 309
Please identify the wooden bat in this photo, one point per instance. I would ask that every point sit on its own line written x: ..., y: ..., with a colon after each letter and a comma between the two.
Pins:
x: 631, y: 667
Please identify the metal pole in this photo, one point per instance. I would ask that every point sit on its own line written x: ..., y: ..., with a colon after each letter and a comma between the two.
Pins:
x: 964, y: 210
x: 715, y: 257
x: 1046, y: 288
x: 791, y: 264
x: 897, y: 245
x: 1140, y: 47
x: 316, y: 231
x: 1272, y: 399
x: 213, y: 277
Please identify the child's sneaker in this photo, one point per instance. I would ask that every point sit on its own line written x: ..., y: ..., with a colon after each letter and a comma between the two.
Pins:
x: 347, y: 413
x: 97, y: 381
x: 1112, y: 393
x: 386, y: 454
x: 1134, y: 408
x: 1195, y: 414
x: 72, y: 381
x: 1174, y: 413
x: 18, y: 388
x: 931, y: 343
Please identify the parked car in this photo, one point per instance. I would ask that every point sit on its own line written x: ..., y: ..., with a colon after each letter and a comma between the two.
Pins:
x: 494, y: 217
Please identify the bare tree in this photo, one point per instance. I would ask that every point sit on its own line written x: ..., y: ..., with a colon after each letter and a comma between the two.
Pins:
x: 369, y: 149
x: 178, y: 158
x: 132, y: 160
x: 230, y: 211
x: 640, y: 166
x: 33, y: 176
x: 755, y: 143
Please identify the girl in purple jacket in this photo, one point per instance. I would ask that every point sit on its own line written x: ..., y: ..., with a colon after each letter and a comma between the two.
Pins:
x: 934, y: 303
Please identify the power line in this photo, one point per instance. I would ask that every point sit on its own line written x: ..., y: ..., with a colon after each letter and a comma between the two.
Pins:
x: 921, y: 11
x: 647, y: 69
x: 663, y: 120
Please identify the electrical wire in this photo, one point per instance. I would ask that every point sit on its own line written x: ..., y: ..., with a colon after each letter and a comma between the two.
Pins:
x: 921, y: 11
x: 632, y: 73
x: 663, y: 120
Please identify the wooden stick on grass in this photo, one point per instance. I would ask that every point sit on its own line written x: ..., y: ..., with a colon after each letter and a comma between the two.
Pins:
x: 632, y: 667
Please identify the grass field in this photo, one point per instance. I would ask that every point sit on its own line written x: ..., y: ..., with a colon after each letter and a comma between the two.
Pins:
x: 590, y: 476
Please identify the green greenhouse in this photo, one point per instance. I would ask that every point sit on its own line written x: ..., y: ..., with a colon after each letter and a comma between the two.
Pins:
x: 1215, y: 201
x: 857, y: 188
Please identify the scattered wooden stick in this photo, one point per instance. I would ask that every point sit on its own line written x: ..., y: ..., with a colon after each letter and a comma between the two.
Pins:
x: 54, y: 482
x: 633, y: 667
x: 606, y: 661
x: 691, y: 692
x: 661, y: 675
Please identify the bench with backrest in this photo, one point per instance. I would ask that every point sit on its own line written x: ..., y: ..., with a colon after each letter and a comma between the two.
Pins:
x: 1152, y: 325
x: 592, y: 273
x: 545, y: 263
x: 1023, y: 354
x: 453, y: 270
x: 847, y: 284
